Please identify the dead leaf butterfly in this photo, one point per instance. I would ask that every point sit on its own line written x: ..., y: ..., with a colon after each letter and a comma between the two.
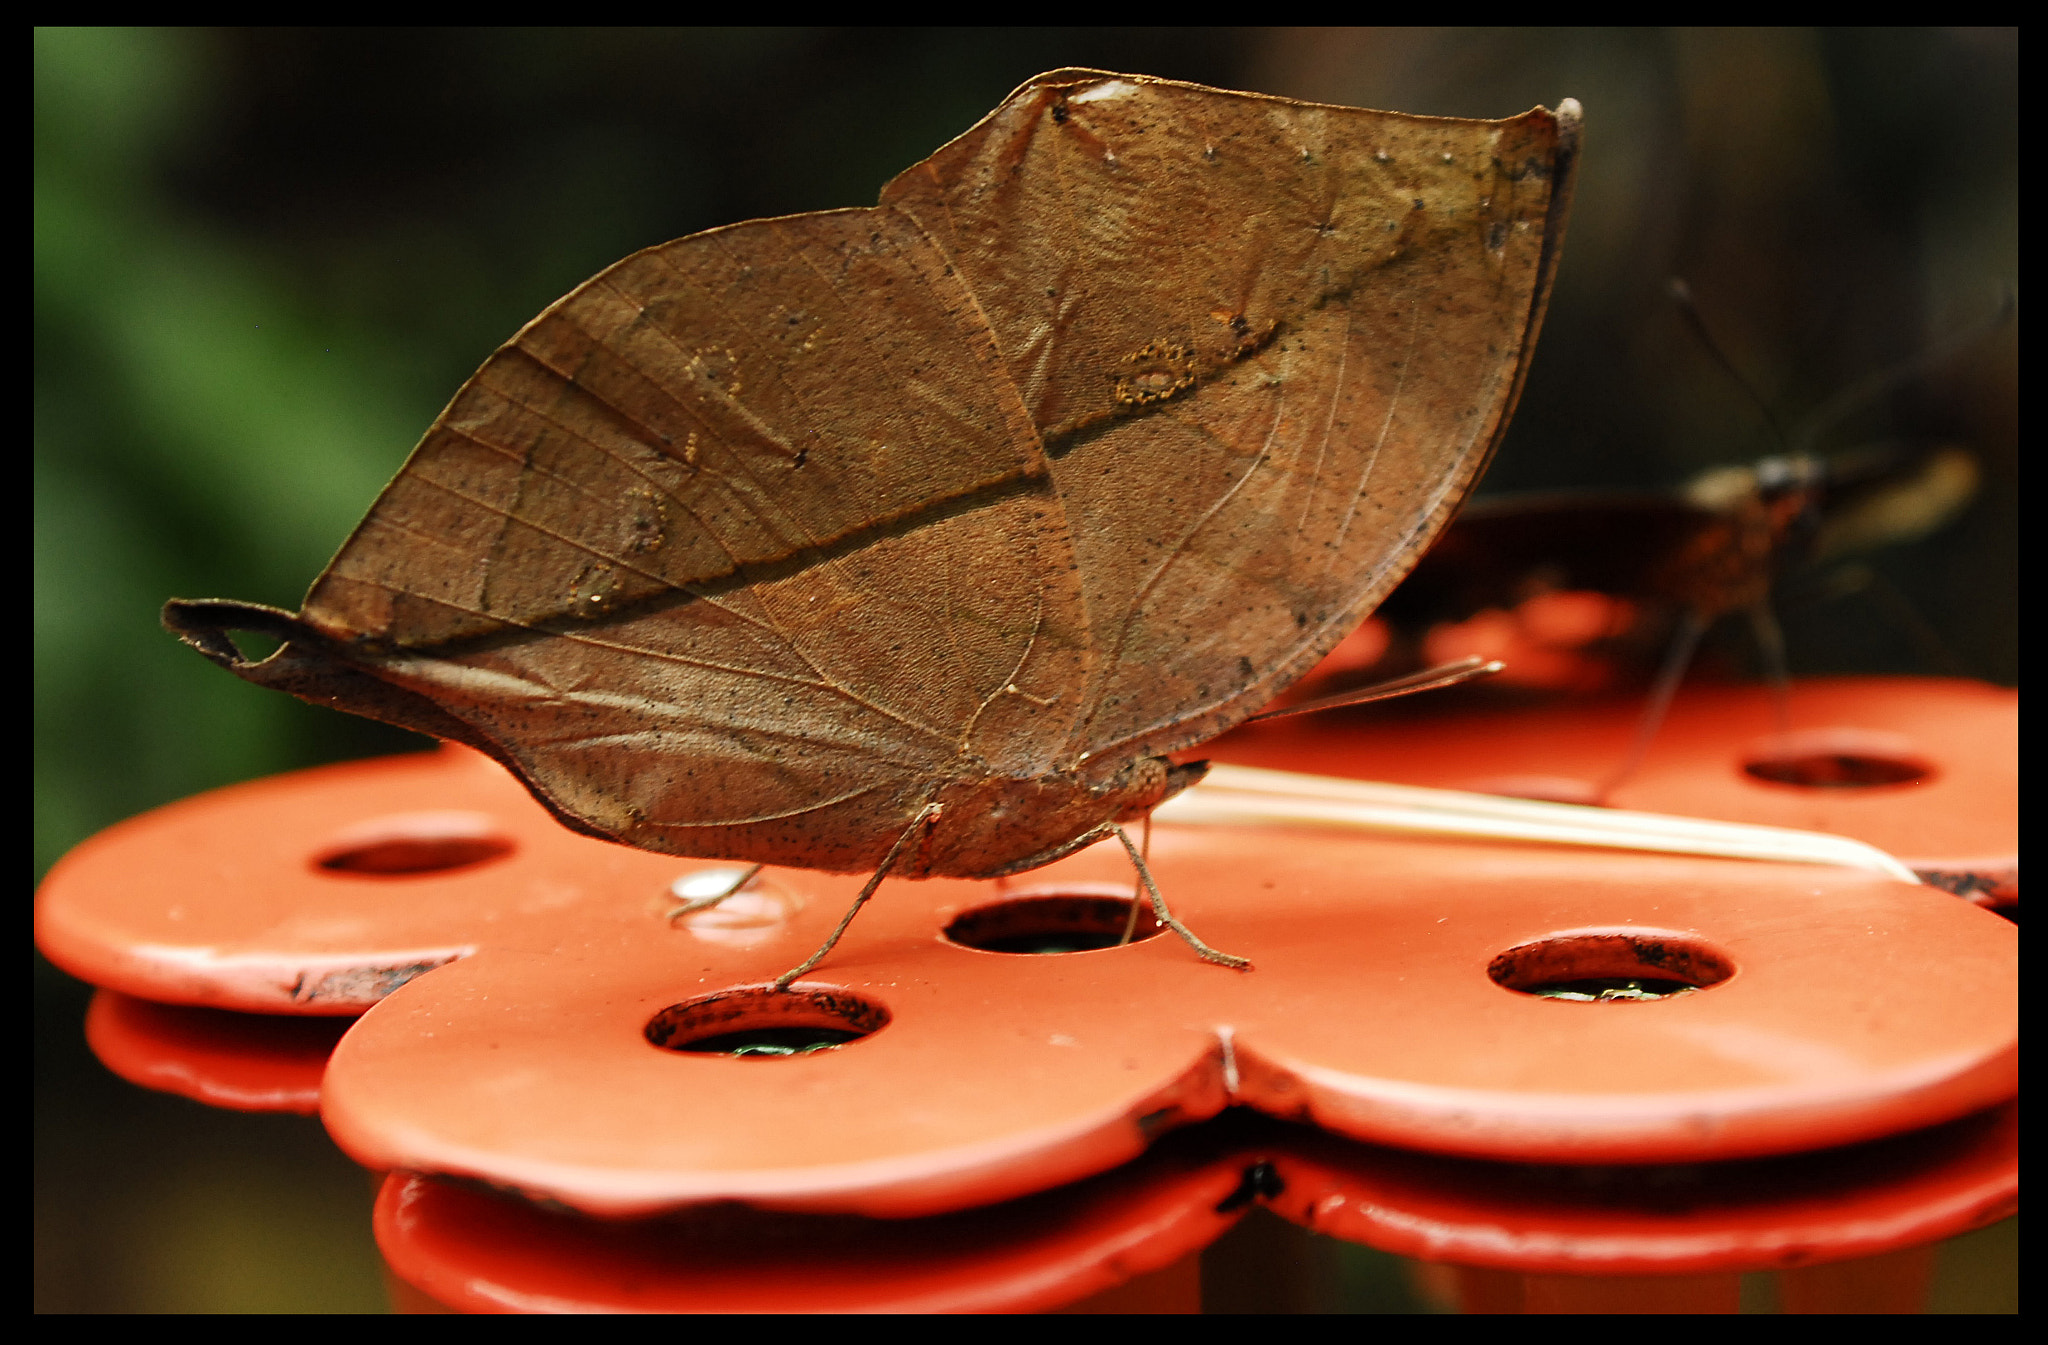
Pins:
x: 911, y: 539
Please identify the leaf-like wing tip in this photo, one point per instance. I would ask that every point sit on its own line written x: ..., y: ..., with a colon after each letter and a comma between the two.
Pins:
x: 204, y: 623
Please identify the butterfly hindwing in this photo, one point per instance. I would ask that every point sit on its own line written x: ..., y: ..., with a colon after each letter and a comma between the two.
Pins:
x: 1268, y: 347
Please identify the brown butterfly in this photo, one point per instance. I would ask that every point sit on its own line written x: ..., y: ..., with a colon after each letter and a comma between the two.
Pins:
x: 1710, y: 548
x: 912, y: 539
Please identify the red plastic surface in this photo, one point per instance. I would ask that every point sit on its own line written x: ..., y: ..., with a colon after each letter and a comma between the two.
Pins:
x: 171, y: 905
x: 481, y: 1253
x: 1851, y: 1203
x: 240, y: 1061
x: 1847, y: 1224
x: 1809, y: 1209
x: 530, y: 964
x: 1371, y: 1012
x: 222, y: 899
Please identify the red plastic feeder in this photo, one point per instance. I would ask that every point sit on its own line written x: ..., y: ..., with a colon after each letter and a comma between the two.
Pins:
x: 1423, y: 997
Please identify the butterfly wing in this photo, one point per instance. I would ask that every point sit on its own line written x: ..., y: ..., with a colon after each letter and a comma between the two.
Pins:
x: 734, y: 551
x: 1110, y: 419
x: 1268, y: 347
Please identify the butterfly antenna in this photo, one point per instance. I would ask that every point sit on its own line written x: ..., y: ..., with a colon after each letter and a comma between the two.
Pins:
x: 1677, y: 659
x: 1681, y: 294
x: 1165, y: 917
x: 696, y: 904
x: 1430, y: 679
x: 1866, y: 390
x: 1131, y: 920
x: 923, y: 819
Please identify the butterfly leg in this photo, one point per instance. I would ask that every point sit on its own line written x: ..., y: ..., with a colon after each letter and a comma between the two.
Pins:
x: 1165, y: 917
x: 696, y: 904
x: 1131, y: 920
x: 922, y: 820
x: 1770, y: 642
x: 1677, y: 659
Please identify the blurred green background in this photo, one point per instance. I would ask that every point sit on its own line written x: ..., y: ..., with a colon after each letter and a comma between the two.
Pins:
x: 264, y: 259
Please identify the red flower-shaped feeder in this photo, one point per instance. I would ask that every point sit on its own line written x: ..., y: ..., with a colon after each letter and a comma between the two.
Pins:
x: 1847, y: 1230
x: 1125, y: 1241
x: 567, y: 1043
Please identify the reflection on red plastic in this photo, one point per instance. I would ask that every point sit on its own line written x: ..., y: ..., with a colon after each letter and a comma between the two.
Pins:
x: 239, y: 1061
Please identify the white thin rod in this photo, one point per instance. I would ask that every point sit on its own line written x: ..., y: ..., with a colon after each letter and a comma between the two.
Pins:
x: 1247, y: 796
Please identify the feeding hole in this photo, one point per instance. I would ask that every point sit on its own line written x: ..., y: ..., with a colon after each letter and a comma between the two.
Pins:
x: 1052, y: 922
x: 1595, y: 968
x: 406, y: 844
x: 1836, y: 759
x: 758, y: 1022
